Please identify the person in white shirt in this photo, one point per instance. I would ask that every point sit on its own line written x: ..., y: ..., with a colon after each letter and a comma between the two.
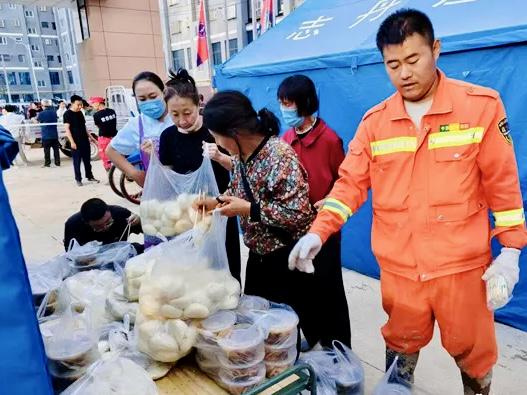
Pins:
x: 139, y: 131
x: 61, y: 110
x: 13, y: 123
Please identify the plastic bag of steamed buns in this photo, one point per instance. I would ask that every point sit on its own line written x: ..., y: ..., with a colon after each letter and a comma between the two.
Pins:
x: 239, y: 349
x: 171, y: 218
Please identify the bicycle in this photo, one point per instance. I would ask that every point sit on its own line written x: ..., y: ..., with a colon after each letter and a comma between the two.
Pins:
x: 124, y: 186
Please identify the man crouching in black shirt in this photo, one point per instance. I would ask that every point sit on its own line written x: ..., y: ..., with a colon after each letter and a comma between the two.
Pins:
x: 99, y: 222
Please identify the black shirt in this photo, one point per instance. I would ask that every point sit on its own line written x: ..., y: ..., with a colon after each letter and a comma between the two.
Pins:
x: 106, y: 121
x: 76, y: 228
x: 184, y: 153
x: 77, y: 126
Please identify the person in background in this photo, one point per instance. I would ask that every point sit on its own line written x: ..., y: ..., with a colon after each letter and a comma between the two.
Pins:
x: 437, y: 156
x: 62, y: 109
x: 98, y: 221
x: 33, y: 110
x: 50, y: 136
x: 79, y: 138
x: 181, y: 148
x: 270, y: 195
x: 148, y: 91
x: 321, y: 152
x: 201, y: 104
x: 12, y: 122
x: 106, y: 120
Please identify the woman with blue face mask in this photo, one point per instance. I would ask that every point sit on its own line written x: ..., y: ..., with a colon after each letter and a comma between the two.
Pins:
x: 139, y: 131
x: 321, y: 152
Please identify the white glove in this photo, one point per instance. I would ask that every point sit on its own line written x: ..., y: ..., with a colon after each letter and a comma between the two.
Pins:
x: 303, y: 253
x: 501, y: 277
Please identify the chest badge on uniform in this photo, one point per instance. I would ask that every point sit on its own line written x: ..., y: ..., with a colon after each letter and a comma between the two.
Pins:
x: 454, y: 127
x: 503, y: 127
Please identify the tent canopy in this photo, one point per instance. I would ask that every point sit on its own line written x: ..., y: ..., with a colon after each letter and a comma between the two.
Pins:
x: 333, y: 42
x: 341, y: 33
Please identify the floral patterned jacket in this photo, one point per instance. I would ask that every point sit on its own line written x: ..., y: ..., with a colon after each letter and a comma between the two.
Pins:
x: 282, y: 212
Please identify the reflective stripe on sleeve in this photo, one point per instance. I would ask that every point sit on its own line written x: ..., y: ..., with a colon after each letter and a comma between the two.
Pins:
x: 395, y: 144
x: 337, y: 207
x: 509, y: 218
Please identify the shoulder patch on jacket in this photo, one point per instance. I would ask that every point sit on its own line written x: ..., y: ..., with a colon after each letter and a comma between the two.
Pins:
x: 503, y: 127
x: 374, y: 109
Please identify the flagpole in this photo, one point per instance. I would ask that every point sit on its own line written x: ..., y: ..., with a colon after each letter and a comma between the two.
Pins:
x: 253, y: 16
x: 209, y: 46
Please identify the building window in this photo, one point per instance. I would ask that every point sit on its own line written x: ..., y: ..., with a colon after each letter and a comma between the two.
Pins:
x: 17, y: 22
x: 45, y: 25
x: 41, y: 83
x: 2, y: 77
x: 53, y: 25
x: 15, y: 98
x: 29, y: 14
x: 18, y: 39
x: 21, y: 58
x: 12, y: 6
x: 249, y: 36
x: 216, y: 53
x: 11, y: 78
x: 35, y: 47
x: 37, y: 63
x: 233, y: 46
x: 28, y: 97
x: 3, y: 41
x: 280, y: 7
x: 231, y: 12
x: 59, y: 59
x: 31, y: 30
x: 51, y: 58
x: 70, y: 77
x: 54, y: 77
x: 47, y: 41
x: 6, y: 57
x: 43, y: 8
x: 178, y: 58
x: 176, y: 27
x: 24, y: 77
x: 189, y: 59
x: 2, y: 23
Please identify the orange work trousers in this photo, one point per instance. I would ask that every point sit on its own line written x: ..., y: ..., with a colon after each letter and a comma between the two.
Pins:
x: 457, y: 302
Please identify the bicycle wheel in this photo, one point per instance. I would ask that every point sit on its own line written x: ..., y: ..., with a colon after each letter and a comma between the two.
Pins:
x: 130, y: 190
x: 114, y: 175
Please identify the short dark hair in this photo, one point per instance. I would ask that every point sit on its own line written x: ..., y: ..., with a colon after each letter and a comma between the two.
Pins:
x: 300, y: 90
x: 148, y: 76
x: 403, y: 23
x: 11, y: 108
x: 181, y: 84
x: 75, y: 98
x: 229, y: 111
x: 93, y: 209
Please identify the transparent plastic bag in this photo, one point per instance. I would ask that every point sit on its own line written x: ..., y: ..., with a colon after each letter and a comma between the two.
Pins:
x: 118, y: 306
x: 93, y: 255
x: 83, y: 256
x: 391, y: 383
x: 89, y: 289
x: 135, y: 271
x: 70, y: 342
x: 339, y: 370
x: 116, y: 372
x: 497, y: 292
x: 166, y: 204
x: 47, y: 277
x: 190, y: 277
x: 164, y: 340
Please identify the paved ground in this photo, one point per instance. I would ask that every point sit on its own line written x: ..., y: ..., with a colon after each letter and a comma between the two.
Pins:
x: 42, y: 198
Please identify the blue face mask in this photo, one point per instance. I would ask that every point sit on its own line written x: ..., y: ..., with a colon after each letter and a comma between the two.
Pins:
x: 291, y: 117
x: 152, y: 108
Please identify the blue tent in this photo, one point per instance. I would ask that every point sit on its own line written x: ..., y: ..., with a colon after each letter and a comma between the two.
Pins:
x: 333, y: 42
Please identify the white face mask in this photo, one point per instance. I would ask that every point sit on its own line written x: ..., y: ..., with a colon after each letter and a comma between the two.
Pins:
x: 196, y: 126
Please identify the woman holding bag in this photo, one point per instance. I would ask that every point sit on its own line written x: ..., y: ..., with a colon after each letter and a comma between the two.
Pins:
x: 181, y: 145
x: 148, y: 90
x: 269, y: 192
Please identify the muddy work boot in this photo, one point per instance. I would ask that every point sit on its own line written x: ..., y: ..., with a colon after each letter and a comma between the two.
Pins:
x: 472, y: 386
x: 406, y: 363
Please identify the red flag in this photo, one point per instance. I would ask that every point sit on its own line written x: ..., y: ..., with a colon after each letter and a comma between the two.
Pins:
x: 266, y: 15
x: 203, y: 48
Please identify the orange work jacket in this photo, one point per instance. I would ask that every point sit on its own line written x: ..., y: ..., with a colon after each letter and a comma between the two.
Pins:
x: 432, y: 186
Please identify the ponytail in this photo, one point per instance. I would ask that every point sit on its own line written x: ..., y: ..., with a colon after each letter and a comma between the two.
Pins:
x: 181, y: 84
x: 268, y: 123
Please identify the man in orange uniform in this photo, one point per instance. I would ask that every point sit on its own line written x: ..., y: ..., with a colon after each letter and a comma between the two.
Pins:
x: 437, y: 155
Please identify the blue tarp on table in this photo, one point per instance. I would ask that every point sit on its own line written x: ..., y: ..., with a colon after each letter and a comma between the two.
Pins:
x: 333, y: 42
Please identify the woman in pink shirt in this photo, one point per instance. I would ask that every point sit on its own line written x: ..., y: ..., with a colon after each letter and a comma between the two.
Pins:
x: 321, y: 152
